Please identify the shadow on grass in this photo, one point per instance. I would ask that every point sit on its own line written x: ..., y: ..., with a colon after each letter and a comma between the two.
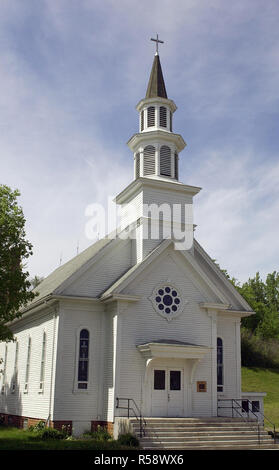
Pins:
x: 18, y: 439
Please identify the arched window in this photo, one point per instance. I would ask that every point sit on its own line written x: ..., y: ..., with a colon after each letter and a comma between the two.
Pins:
x: 163, y: 116
x: 4, y: 369
x: 43, y: 360
x: 149, y: 160
x: 165, y: 161
x: 142, y: 120
x: 14, y: 379
x: 151, y: 116
x: 137, y: 163
x: 176, y: 165
x: 27, y: 370
x: 83, y: 359
x: 170, y: 121
x: 220, y: 365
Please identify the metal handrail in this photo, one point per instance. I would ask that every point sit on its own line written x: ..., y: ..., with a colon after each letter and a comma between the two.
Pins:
x: 137, y: 415
x: 250, y: 410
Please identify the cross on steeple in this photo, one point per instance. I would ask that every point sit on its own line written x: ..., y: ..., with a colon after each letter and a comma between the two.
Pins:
x: 157, y: 40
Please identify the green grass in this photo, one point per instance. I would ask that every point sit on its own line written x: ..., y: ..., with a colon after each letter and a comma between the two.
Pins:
x: 19, y: 439
x: 256, y: 379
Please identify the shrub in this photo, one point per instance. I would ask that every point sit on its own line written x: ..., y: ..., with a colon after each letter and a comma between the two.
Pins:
x: 259, y: 352
x: 50, y: 433
x: 128, y: 440
x: 37, y: 427
x: 101, y: 434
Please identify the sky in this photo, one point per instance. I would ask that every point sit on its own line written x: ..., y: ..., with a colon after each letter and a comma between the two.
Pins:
x: 71, y: 74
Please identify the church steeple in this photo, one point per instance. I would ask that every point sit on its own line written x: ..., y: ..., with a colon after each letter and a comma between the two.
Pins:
x: 156, y: 148
x: 156, y: 187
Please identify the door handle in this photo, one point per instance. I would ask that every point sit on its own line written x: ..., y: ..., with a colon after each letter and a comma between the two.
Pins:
x: 168, y: 397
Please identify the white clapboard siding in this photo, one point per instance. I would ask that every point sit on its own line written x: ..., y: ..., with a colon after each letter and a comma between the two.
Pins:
x: 70, y: 402
x: 232, y: 299
x: 228, y: 331
x: 34, y: 403
x: 132, y: 210
x: 140, y: 324
x: 103, y: 273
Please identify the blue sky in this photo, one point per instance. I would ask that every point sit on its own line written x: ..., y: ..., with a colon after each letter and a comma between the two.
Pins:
x: 71, y: 73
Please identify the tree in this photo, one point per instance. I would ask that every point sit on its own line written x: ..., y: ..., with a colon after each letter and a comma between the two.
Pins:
x: 14, y: 250
x: 263, y: 297
x: 35, y: 281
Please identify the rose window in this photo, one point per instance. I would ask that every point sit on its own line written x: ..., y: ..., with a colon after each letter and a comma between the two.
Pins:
x: 167, y: 300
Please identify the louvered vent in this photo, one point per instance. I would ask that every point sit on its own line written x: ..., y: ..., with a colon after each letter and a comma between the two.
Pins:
x: 170, y: 121
x: 137, y: 165
x: 176, y: 165
x: 151, y: 116
x: 165, y: 161
x: 149, y: 160
x: 163, y: 116
x: 142, y: 120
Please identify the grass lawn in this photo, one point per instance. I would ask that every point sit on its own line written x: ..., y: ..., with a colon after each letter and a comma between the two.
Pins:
x: 19, y: 439
x: 264, y: 380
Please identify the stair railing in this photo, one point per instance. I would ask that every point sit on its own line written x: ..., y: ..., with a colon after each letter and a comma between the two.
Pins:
x: 235, y: 406
x: 132, y: 407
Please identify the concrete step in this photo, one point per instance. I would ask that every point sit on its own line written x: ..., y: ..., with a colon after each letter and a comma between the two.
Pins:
x: 194, y: 422
x: 187, y: 433
x: 194, y: 426
x: 200, y: 429
x: 202, y: 433
x: 196, y: 443
x: 227, y: 446
x: 193, y: 439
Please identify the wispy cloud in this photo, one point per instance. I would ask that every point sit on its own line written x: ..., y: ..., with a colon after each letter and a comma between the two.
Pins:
x: 71, y: 73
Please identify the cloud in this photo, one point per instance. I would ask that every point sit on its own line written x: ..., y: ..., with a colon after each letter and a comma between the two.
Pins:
x: 71, y: 74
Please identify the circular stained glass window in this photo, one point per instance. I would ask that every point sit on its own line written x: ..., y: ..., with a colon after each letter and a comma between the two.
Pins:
x: 167, y: 300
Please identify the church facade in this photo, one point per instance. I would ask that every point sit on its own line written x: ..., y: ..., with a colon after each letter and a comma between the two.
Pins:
x: 134, y: 316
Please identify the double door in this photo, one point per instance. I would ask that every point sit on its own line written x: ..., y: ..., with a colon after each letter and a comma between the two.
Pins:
x: 167, y: 392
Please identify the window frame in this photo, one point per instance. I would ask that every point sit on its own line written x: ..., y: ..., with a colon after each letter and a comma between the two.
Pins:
x: 77, y: 361
x: 220, y: 386
x: 165, y: 158
x: 43, y: 363
x: 163, y: 117
x: 149, y: 160
x: 15, y: 373
x: 4, y: 370
x: 151, y: 116
x: 27, y: 367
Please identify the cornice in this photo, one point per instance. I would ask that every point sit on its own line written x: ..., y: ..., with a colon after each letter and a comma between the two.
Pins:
x: 225, y: 310
x: 150, y: 136
x: 156, y: 100
x: 138, y: 184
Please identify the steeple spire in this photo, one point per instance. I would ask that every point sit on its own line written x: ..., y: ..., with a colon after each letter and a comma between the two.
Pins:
x: 156, y: 85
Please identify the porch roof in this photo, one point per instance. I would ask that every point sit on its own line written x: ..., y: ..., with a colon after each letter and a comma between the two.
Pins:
x: 166, y: 348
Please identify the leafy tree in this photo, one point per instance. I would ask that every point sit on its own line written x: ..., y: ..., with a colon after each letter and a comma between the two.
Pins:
x: 35, y: 281
x: 263, y: 297
x: 253, y: 292
x: 14, y: 249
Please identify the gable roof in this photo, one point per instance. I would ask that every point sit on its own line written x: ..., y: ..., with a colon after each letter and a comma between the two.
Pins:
x: 52, y: 282
x: 216, y: 281
x: 219, y: 278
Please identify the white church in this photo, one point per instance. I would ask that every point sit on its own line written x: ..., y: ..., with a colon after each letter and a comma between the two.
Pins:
x: 136, y: 326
